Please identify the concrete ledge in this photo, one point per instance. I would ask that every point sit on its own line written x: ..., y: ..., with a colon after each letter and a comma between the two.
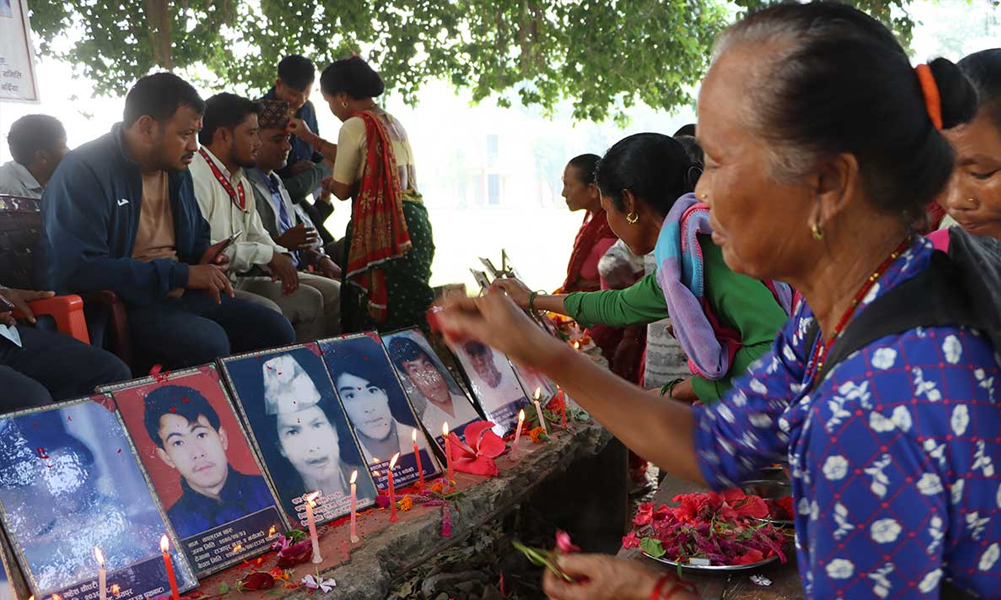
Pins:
x: 388, y: 550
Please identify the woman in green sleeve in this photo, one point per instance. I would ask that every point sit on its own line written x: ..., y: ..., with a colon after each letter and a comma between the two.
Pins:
x: 723, y: 320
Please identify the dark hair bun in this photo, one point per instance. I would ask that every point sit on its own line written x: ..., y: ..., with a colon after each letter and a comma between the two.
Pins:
x: 959, y: 98
x: 353, y: 76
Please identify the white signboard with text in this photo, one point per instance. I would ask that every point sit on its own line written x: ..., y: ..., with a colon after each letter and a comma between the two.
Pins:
x: 17, y: 61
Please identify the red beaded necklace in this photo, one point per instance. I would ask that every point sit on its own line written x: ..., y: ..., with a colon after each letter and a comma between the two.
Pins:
x: 820, y: 354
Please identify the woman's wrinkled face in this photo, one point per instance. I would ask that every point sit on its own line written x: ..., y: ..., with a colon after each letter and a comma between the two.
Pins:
x: 974, y: 194
x: 761, y: 224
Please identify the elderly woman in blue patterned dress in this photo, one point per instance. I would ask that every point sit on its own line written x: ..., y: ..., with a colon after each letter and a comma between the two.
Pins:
x: 815, y: 169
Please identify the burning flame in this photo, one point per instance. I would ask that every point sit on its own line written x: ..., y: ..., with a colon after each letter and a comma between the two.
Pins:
x: 237, y: 548
x: 521, y: 416
x: 164, y: 544
x: 392, y: 461
x: 444, y: 428
x: 413, y: 436
x: 311, y: 497
x: 271, y: 532
x: 55, y: 597
x: 98, y: 556
x: 115, y: 589
x: 354, y: 476
x: 538, y: 394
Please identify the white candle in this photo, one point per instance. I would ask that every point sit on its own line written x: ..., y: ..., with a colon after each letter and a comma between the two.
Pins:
x: 309, y: 498
x: 538, y: 410
x: 102, y: 574
x: 517, y: 432
x: 354, y: 507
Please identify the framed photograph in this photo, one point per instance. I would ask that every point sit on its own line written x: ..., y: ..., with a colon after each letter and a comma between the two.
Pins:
x: 489, y: 266
x: 378, y: 409
x: 300, y: 430
x: 433, y: 392
x: 532, y: 381
x: 481, y: 279
x: 196, y: 452
x: 69, y: 483
x: 493, y: 382
x: 10, y: 577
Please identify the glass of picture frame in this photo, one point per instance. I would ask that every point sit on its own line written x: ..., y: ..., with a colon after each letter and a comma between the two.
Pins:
x: 378, y: 409
x: 69, y: 483
x: 198, y: 456
x: 435, y: 395
x: 494, y: 384
x: 299, y: 428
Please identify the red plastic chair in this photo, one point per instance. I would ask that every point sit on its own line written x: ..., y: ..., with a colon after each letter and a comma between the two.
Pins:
x: 67, y: 311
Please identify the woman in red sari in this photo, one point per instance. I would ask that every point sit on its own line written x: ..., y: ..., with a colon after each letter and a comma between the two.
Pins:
x: 622, y: 346
x: 389, y: 246
x: 595, y: 236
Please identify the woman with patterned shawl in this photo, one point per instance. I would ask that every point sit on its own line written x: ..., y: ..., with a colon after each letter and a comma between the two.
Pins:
x: 723, y: 320
x: 388, y: 245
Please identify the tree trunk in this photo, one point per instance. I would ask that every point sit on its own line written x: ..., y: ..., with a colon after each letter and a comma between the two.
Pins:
x: 158, y: 20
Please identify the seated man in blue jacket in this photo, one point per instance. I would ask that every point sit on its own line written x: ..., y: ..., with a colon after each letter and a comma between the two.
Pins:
x: 120, y: 214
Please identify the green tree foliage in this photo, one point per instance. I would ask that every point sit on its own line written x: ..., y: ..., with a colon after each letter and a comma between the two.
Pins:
x: 603, y: 55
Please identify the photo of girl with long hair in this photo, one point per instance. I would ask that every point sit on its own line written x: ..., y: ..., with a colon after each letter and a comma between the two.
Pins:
x: 378, y: 409
x: 300, y: 429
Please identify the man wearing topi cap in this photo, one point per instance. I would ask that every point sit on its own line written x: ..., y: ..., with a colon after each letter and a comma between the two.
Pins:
x: 288, y: 225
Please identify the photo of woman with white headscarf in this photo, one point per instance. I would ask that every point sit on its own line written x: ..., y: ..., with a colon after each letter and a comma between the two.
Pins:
x: 301, y: 430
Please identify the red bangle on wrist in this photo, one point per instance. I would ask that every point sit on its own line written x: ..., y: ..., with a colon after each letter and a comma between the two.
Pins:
x: 659, y: 587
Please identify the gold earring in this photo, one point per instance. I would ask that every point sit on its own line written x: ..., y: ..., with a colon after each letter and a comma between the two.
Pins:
x: 703, y: 195
x: 632, y: 218
x: 818, y: 234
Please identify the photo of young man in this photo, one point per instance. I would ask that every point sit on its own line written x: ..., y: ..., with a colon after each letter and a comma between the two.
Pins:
x: 199, y: 459
x: 496, y: 387
x: 190, y: 440
x: 435, y: 395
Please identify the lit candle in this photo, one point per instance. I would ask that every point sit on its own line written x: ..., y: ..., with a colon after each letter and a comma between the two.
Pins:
x: 102, y: 574
x: 517, y: 432
x: 448, y: 452
x: 538, y: 410
x: 417, y: 453
x: 563, y: 406
x: 309, y: 498
x: 392, y: 490
x: 165, y: 548
x: 354, y: 507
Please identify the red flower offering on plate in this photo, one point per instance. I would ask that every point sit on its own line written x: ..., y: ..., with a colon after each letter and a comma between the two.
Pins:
x: 720, y: 527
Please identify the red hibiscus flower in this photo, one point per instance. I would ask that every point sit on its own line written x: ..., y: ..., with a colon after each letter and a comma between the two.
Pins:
x: 631, y: 541
x: 477, y: 457
x: 751, y: 556
x: 259, y: 580
x: 295, y: 554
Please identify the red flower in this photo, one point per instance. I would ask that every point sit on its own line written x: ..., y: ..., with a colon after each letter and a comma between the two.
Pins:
x: 563, y: 543
x: 631, y: 541
x: 295, y: 554
x: 483, y: 447
x: 259, y: 580
x: 751, y: 506
x: 751, y: 556
x: 646, y: 514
